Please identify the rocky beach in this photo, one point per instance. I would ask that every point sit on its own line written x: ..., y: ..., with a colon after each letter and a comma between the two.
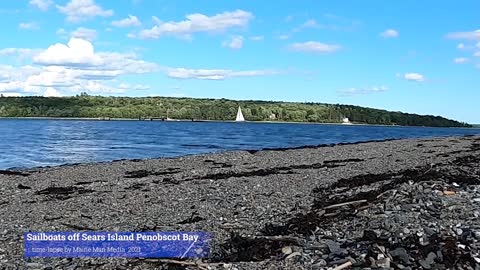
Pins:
x: 400, y: 204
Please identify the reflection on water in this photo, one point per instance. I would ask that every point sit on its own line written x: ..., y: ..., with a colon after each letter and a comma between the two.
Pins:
x: 31, y: 143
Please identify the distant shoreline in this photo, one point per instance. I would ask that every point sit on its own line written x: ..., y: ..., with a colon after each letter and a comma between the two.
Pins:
x: 213, y: 121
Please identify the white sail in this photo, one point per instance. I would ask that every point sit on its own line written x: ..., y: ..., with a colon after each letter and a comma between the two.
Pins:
x: 240, y: 117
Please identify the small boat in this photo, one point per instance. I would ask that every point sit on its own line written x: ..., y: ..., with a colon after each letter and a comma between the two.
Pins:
x: 240, y: 117
x: 346, y: 121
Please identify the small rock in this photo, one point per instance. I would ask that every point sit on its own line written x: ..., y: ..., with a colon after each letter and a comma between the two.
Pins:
x: 294, y: 254
x: 287, y: 250
x: 33, y: 265
x: 369, y: 235
x: 427, y: 262
x: 401, y: 254
x: 335, y: 248
x: 384, y: 263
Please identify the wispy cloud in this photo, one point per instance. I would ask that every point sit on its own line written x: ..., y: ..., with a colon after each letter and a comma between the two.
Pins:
x: 84, y: 33
x: 28, y: 26
x: 196, y: 23
x: 127, y: 22
x: 390, y: 33
x: 81, y: 10
x: 235, y: 43
x: 460, y: 60
x: 43, y: 5
x: 314, y: 47
x: 214, y: 74
x: 257, y: 38
x: 311, y: 24
x: 415, y: 77
x: 126, y: 86
x: 362, y: 91
x: 22, y: 53
x: 469, y: 35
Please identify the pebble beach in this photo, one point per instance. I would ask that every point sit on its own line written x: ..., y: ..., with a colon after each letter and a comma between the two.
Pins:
x: 399, y: 204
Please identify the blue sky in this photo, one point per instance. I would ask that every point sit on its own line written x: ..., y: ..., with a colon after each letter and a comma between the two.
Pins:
x: 413, y: 56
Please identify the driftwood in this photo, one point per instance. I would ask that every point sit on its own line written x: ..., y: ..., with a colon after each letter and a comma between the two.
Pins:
x: 345, y: 203
x: 343, y: 266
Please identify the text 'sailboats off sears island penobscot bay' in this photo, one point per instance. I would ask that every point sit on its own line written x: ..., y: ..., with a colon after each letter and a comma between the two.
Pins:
x: 240, y: 117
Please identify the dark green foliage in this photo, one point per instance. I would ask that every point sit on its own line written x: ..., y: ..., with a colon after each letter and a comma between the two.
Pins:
x: 208, y: 109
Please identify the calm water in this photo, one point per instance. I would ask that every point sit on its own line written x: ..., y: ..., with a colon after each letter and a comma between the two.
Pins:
x: 32, y: 143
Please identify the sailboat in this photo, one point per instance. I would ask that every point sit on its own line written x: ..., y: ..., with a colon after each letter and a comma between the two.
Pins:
x: 240, y: 117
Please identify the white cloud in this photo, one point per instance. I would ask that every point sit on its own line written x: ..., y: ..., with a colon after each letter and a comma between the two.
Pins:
x: 196, y: 23
x: 478, y: 45
x: 414, y: 77
x: 96, y: 87
x: 472, y: 35
x: 363, y: 91
x: 284, y: 37
x: 20, y: 52
x: 11, y: 86
x: 461, y: 46
x: 51, y: 92
x: 214, y: 74
x: 460, y: 60
x: 257, y: 38
x: 11, y: 73
x: 126, y: 86
x: 80, y: 10
x: 84, y: 33
x: 389, y: 33
x: 28, y: 26
x: 127, y: 22
x: 477, y: 54
x: 314, y: 47
x: 78, y: 52
x: 235, y: 43
x: 43, y: 5
x: 74, y: 67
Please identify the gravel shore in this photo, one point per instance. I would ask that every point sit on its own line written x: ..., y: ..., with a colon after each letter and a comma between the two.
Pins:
x: 402, y: 204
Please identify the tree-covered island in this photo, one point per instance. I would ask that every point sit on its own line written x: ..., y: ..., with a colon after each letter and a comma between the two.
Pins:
x: 86, y: 106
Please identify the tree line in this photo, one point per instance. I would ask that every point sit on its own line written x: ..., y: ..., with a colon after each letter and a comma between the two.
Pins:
x: 208, y: 109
